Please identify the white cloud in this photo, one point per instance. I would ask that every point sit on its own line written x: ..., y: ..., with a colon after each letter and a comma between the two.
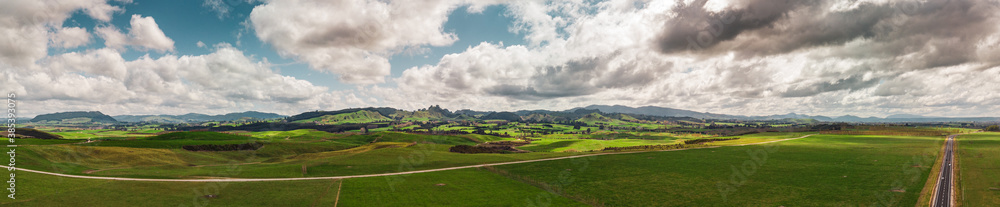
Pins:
x: 219, y: 81
x: 28, y: 27
x: 351, y: 38
x: 102, y: 12
x: 100, y: 79
x: 218, y: 6
x: 223, y: 8
x: 577, y: 53
x: 607, y: 53
x: 103, y: 62
x: 71, y: 37
x: 144, y: 34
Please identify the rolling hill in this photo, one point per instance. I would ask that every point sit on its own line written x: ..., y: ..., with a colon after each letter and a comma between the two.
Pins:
x: 194, y: 117
x: 362, y: 116
x: 75, y: 117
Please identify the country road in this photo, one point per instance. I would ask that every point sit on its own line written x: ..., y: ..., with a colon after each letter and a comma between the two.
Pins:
x: 373, y: 175
x: 943, y: 190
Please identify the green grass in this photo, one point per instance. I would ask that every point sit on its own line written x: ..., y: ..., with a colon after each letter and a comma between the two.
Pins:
x: 462, y: 188
x: 278, y: 157
x: 101, y: 133
x: 46, y: 190
x: 33, y: 141
x: 979, y: 169
x: 362, y: 116
x: 300, y: 134
x: 284, y: 158
x: 465, y: 187
x: 823, y: 170
x: 759, y: 137
x: 571, y: 142
x: 580, y: 145
x: 198, y: 136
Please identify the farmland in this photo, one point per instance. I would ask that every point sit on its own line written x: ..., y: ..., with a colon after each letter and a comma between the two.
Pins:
x: 606, y: 160
x: 978, y: 174
x: 828, y: 169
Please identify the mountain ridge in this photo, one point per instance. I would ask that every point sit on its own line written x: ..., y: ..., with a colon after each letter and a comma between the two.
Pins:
x: 196, y: 117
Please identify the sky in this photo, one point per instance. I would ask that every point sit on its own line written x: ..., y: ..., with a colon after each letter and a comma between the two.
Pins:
x: 741, y: 57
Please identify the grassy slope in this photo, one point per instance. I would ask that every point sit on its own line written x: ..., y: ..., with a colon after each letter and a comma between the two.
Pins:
x: 561, y: 142
x: 807, y: 172
x: 45, y: 190
x: 463, y: 187
x: 300, y: 134
x: 466, y: 187
x: 278, y: 157
x: 362, y: 116
x: 979, y: 160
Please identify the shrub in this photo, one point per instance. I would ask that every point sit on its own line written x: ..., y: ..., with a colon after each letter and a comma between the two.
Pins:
x: 224, y: 147
x: 993, y: 128
x: 466, y: 149
x: 698, y: 141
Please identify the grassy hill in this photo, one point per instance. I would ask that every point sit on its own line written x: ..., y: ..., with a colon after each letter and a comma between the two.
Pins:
x: 75, y: 117
x: 198, y: 136
x: 598, y: 118
x: 32, y: 133
x: 362, y: 116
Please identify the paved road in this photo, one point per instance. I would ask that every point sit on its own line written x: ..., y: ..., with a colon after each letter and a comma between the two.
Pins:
x: 943, y: 191
x: 368, y: 175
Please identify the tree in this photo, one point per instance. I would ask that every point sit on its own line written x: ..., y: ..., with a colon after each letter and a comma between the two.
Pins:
x: 588, y: 130
x: 993, y: 128
x: 576, y: 127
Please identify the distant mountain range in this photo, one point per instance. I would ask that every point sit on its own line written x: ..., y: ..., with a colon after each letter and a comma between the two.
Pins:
x: 194, y: 117
x: 661, y: 111
x: 437, y: 113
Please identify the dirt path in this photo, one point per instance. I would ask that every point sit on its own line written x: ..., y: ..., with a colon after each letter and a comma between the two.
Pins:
x: 327, y: 191
x: 376, y: 175
x: 338, y: 193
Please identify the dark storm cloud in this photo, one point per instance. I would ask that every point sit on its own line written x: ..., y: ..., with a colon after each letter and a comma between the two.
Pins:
x: 529, y: 92
x: 944, y: 32
x: 569, y: 79
x: 853, y: 83
x: 585, y: 76
x: 746, y: 81
x: 694, y: 28
x: 941, y: 33
x: 343, y: 35
x: 632, y: 74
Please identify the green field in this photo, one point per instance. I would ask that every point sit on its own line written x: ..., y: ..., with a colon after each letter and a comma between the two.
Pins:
x: 979, y: 169
x: 822, y: 170
x: 45, y: 190
x: 862, y: 166
x: 160, y: 156
x: 462, y: 188
x: 347, y: 118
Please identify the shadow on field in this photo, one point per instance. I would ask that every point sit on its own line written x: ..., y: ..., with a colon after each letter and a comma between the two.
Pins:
x: 551, y: 146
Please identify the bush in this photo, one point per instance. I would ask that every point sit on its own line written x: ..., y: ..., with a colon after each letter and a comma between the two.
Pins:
x: 698, y: 141
x: 35, y: 133
x: 466, y: 149
x: 224, y: 147
x: 646, y: 147
x: 993, y: 128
